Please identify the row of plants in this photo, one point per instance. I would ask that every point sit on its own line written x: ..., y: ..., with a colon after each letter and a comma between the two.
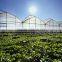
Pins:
x: 30, y: 47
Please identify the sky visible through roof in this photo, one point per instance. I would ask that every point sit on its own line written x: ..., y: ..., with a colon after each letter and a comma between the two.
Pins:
x: 45, y: 8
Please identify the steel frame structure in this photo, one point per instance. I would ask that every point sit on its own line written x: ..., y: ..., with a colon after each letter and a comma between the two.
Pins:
x: 10, y: 22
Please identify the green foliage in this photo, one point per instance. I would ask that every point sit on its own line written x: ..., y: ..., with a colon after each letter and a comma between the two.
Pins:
x: 30, y: 47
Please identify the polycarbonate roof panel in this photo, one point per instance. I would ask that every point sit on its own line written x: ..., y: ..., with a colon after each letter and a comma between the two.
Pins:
x: 33, y: 19
x: 51, y: 22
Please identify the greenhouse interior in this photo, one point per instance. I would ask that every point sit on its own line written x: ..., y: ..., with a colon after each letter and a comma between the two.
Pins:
x: 10, y: 22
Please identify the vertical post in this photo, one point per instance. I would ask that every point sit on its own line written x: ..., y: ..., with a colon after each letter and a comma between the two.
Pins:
x: 15, y: 23
x: 45, y: 27
x: 0, y: 22
x: 22, y: 25
x: 53, y: 27
x: 59, y: 28
x: 6, y: 21
x: 35, y: 23
x: 29, y: 24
